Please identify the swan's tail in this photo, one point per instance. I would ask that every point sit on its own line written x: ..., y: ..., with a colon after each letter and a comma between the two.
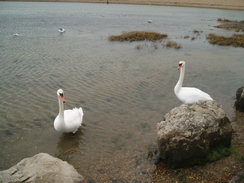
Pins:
x: 80, y: 110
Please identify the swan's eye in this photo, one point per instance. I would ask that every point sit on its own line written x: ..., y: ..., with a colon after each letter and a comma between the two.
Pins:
x: 61, y: 94
x: 180, y: 64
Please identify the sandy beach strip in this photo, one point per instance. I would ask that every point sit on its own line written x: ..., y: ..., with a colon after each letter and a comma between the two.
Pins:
x: 218, y: 4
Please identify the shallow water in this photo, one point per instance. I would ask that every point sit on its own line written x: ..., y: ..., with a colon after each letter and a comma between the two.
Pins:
x: 124, y: 92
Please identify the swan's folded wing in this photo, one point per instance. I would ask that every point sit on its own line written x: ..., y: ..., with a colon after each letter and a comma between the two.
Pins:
x: 73, y: 118
x: 191, y: 94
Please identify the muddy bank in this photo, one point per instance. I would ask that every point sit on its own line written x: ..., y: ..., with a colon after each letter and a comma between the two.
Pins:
x: 236, y: 40
x: 231, y: 25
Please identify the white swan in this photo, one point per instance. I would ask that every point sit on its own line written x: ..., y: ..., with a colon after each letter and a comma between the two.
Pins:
x: 188, y: 94
x: 61, y: 30
x: 68, y: 120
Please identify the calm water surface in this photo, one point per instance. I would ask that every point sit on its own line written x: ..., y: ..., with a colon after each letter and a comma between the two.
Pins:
x: 124, y: 92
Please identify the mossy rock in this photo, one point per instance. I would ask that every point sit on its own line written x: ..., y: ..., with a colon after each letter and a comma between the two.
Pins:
x: 216, y: 153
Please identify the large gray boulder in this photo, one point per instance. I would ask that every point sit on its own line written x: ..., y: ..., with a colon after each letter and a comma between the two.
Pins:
x: 41, y: 168
x: 191, y: 130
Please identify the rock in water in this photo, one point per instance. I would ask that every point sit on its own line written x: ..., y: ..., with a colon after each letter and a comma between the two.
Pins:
x: 191, y: 130
x: 239, y: 104
x: 41, y: 168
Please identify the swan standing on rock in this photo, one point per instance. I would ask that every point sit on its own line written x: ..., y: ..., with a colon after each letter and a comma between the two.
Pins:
x: 188, y: 94
x: 68, y: 120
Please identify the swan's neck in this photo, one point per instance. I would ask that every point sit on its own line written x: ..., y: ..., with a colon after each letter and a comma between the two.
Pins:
x: 180, y: 81
x: 61, y: 108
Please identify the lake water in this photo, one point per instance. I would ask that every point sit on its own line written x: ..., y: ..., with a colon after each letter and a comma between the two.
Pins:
x: 123, y: 91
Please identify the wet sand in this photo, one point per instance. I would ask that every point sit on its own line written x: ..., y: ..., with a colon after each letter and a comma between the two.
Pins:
x: 219, y: 4
x: 232, y: 4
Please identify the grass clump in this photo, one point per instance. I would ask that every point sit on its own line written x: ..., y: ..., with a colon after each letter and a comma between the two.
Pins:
x: 186, y: 36
x: 196, y: 31
x: 235, y: 40
x: 138, y: 36
x: 172, y: 44
x: 223, y: 20
x: 138, y: 47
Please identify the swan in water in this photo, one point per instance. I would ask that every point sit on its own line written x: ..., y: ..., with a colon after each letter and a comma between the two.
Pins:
x: 61, y: 30
x: 188, y: 94
x: 68, y: 120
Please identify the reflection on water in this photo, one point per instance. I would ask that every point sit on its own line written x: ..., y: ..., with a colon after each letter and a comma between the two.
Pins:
x: 124, y: 92
x: 69, y: 144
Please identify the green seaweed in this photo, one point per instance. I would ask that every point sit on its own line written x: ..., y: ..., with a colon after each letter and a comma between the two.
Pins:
x: 216, y: 153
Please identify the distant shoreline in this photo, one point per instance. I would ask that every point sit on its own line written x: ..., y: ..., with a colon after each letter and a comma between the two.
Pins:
x: 217, y: 4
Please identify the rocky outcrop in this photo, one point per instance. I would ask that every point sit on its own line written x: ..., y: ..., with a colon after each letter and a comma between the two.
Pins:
x: 191, y: 130
x: 41, y: 168
x: 239, y: 103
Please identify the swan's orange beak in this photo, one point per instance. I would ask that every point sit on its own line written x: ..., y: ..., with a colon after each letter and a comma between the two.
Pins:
x: 179, y: 67
x: 62, y: 98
